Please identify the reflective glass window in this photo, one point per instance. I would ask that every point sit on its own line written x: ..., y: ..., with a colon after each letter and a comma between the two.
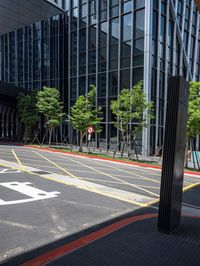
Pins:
x: 127, y: 7
x: 139, y: 3
x: 74, y: 3
x: 114, y: 31
x: 126, y: 27
x: 83, y: 11
x: 139, y: 23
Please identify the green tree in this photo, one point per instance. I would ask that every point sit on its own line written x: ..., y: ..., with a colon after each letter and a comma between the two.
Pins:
x: 84, y: 114
x: 48, y: 104
x: 26, y: 106
x: 193, y: 123
x: 132, y: 113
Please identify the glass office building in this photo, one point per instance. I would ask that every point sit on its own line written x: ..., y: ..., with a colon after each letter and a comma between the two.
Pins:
x: 112, y: 44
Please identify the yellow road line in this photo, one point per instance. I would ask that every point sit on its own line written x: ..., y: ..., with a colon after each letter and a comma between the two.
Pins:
x: 150, y: 186
x: 151, y: 202
x: 184, y: 189
x: 134, y: 174
x: 118, y: 179
x: 75, y: 170
x: 131, y: 177
x: 119, y: 198
x: 92, y: 189
x: 17, y: 159
x: 44, y: 166
x: 32, y: 173
x: 95, y: 179
x: 55, y: 167
x: 65, y: 171
x: 191, y: 186
x: 134, y: 168
x: 112, y: 196
x: 87, y: 189
x: 58, y: 166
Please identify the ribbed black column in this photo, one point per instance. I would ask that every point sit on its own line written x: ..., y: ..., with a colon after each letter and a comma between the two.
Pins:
x: 173, y: 156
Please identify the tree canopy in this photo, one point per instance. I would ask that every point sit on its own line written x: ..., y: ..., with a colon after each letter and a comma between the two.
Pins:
x: 26, y: 106
x: 131, y: 105
x: 132, y: 111
x: 193, y: 123
x: 49, y: 104
x: 84, y: 113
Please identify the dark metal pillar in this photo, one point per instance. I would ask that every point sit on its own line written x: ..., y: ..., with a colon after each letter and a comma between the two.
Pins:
x: 173, y: 156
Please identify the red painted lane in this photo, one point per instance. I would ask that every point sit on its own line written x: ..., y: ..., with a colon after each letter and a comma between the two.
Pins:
x: 107, y: 159
x: 83, y: 241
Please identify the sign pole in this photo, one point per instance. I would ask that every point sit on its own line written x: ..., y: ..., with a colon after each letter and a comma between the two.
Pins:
x: 90, y: 130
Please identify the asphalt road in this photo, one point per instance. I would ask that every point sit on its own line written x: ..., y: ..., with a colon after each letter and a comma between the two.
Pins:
x: 46, y: 196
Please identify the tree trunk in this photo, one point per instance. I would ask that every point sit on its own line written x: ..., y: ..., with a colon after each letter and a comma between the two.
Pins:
x: 136, y: 153
x: 128, y: 145
x: 114, y: 153
x: 135, y: 149
x: 192, y: 152
x: 50, y: 136
x: 81, y: 142
x: 123, y: 146
x: 25, y: 135
x: 44, y: 138
x: 186, y: 153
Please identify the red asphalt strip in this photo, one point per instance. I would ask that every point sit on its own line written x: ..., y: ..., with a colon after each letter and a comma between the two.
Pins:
x: 83, y: 241
x: 106, y: 159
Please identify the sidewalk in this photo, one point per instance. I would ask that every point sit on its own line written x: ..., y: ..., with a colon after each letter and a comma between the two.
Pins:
x: 129, y: 240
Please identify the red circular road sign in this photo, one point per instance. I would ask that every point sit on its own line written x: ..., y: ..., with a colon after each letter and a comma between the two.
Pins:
x: 90, y: 130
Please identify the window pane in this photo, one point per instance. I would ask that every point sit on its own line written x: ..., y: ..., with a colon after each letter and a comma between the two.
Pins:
x: 114, y: 31
x: 139, y: 24
x: 126, y: 27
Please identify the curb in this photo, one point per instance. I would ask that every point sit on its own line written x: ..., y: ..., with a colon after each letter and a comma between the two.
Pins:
x: 105, y: 159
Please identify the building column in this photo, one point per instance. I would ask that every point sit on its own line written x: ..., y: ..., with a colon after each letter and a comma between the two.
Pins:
x: 3, y: 121
x: 157, y: 101
x: 147, y: 71
x: 7, y: 121
x: 12, y: 123
x: 17, y: 129
x: 1, y: 108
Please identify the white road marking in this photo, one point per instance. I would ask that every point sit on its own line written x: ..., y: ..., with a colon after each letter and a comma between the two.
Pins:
x: 119, y: 194
x: 9, y: 171
x: 3, y: 171
x: 25, y: 226
x: 113, y: 162
x: 25, y: 188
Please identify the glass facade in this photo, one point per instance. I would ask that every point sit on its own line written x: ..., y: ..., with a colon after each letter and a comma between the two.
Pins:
x: 112, y: 44
x: 105, y: 52
x: 34, y: 56
x: 64, y: 4
x: 175, y: 51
